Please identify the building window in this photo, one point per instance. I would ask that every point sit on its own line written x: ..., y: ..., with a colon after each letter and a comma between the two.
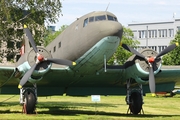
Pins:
x: 149, y: 32
x: 171, y: 32
x: 155, y: 48
x: 159, y: 48
x: 159, y: 33
x: 155, y: 33
x: 139, y: 34
x: 85, y: 22
x: 178, y: 28
x: 143, y: 34
x: 162, y: 33
x: 165, y: 32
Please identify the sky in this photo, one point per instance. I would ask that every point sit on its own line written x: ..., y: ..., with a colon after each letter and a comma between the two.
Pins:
x: 127, y: 11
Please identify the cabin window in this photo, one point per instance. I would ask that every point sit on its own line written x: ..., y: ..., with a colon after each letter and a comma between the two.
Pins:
x: 59, y: 44
x: 54, y: 48
x: 100, y: 18
x: 91, y: 19
x: 85, y: 22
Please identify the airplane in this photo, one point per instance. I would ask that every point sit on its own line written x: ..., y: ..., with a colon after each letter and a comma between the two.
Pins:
x: 75, y: 63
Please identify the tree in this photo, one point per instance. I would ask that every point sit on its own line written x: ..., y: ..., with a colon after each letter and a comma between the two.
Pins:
x: 34, y: 13
x: 173, y: 57
x: 50, y: 35
x: 121, y: 55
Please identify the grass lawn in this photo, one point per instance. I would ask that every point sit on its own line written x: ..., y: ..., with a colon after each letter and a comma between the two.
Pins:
x: 110, y: 107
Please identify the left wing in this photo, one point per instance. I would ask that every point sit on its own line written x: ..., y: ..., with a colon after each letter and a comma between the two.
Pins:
x: 6, y: 74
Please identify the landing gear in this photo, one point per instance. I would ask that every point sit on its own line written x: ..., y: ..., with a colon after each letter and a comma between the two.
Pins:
x: 134, y: 99
x: 28, y: 99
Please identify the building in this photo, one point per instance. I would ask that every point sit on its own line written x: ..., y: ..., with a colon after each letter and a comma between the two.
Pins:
x: 156, y: 35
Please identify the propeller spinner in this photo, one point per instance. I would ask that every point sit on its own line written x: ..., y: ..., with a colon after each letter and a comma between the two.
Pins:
x: 39, y: 59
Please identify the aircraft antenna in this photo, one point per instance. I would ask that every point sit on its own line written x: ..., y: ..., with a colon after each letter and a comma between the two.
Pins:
x: 107, y: 6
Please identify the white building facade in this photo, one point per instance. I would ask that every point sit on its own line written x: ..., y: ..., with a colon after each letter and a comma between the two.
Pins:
x: 155, y: 35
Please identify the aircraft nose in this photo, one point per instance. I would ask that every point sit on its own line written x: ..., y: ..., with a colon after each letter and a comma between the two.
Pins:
x: 112, y: 28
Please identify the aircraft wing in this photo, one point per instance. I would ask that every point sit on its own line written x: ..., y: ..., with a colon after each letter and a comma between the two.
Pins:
x: 169, y: 74
x: 113, y: 81
x: 6, y: 73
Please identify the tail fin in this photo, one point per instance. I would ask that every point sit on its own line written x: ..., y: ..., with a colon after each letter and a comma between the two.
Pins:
x: 25, y: 45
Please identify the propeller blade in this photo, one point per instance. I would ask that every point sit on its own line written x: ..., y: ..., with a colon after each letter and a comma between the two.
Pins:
x: 151, y: 80
x: 31, y: 40
x: 132, y: 50
x: 61, y: 61
x: 26, y: 76
x: 166, y: 50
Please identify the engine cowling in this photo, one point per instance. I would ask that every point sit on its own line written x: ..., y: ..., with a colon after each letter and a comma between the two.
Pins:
x: 28, y: 60
x: 138, y: 68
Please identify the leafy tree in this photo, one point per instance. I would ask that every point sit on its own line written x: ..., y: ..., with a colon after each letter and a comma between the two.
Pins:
x: 173, y: 57
x: 15, y: 13
x: 50, y: 35
x: 121, y: 55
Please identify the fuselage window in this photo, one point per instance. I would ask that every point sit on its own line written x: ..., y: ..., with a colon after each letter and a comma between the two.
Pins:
x: 54, y: 48
x: 85, y: 22
x: 100, y: 18
x: 59, y: 44
x: 111, y: 18
x: 91, y: 19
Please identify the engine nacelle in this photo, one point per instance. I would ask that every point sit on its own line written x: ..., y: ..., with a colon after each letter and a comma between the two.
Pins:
x: 138, y: 68
x: 28, y: 60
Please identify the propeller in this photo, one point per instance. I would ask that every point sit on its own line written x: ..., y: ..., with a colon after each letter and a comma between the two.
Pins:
x: 31, y: 40
x: 40, y: 58
x: 151, y: 61
x: 128, y: 48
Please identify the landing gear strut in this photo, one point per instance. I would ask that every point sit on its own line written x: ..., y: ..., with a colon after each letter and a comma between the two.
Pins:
x: 134, y: 99
x: 28, y: 99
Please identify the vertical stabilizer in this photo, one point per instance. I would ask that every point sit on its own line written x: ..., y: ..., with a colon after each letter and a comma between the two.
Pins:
x: 25, y: 45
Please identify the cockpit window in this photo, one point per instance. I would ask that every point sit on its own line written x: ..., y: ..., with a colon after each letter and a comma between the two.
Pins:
x: 111, y: 18
x: 85, y: 22
x: 100, y: 18
x: 91, y: 19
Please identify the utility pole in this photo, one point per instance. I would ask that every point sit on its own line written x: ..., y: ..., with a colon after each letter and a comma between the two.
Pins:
x: 147, y: 37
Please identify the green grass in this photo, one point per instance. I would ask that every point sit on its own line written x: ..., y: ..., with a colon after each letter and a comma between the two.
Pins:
x: 110, y: 107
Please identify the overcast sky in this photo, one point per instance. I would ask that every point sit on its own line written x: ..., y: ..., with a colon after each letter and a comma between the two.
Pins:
x: 127, y: 11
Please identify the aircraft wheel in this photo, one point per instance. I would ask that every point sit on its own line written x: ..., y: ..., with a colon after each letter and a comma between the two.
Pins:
x: 29, y: 102
x: 135, y: 102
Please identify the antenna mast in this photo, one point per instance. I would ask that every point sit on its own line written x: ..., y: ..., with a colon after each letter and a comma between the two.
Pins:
x: 107, y: 6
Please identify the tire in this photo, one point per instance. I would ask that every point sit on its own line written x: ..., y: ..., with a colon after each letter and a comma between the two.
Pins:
x: 30, y: 101
x: 136, y: 103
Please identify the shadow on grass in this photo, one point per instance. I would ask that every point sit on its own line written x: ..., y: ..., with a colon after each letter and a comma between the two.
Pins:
x: 75, y: 109
x: 75, y: 112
